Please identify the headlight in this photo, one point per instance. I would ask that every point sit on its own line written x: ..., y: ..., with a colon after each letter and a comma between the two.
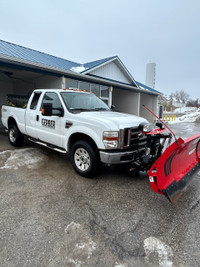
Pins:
x: 110, y: 139
x: 148, y: 127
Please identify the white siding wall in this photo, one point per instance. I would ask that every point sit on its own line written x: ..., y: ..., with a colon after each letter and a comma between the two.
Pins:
x: 111, y: 71
x: 152, y: 103
x: 126, y: 101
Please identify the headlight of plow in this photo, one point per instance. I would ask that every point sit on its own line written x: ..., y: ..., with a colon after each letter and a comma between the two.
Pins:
x: 148, y: 127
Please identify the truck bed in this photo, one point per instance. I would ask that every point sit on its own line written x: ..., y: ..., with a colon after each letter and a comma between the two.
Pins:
x: 17, y: 100
x: 18, y: 114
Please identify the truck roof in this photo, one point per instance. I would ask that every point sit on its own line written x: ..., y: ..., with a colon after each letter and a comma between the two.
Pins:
x: 62, y: 90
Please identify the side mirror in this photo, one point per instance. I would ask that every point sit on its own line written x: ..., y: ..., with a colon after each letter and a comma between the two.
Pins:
x: 47, y: 109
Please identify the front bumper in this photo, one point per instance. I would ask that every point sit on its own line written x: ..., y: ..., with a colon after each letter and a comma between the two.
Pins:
x: 119, y: 157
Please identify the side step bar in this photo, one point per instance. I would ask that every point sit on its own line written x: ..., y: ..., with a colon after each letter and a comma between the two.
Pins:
x: 56, y: 148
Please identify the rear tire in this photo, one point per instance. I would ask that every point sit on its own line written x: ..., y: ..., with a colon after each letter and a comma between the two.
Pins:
x: 15, y: 137
x: 84, y: 159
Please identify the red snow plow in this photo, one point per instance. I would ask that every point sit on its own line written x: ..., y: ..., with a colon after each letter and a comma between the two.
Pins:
x: 169, y: 171
x: 175, y: 167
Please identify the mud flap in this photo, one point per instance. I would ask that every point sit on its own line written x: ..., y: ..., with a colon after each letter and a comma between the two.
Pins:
x: 175, y: 167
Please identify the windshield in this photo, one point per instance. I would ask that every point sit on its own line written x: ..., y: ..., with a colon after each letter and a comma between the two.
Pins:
x: 77, y: 102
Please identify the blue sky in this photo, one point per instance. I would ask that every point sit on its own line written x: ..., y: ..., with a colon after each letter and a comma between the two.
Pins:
x: 138, y: 31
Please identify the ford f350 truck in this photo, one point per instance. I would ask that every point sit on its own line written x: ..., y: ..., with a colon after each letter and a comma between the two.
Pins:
x: 81, y: 124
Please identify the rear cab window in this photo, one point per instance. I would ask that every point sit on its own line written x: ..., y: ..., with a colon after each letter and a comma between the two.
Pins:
x: 35, y: 100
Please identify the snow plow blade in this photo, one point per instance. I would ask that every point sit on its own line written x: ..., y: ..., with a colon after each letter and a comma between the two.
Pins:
x: 175, y: 168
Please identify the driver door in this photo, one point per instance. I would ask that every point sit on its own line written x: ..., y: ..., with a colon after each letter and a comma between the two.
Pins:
x: 50, y: 128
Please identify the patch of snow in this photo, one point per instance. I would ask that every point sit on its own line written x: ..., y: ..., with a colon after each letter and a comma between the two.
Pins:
x: 141, y: 87
x: 159, y: 251
x: 79, y: 245
x: 72, y: 226
x: 120, y: 265
x: 75, y: 262
x: 189, y: 117
x: 184, y: 110
x: 78, y: 69
x: 14, y: 159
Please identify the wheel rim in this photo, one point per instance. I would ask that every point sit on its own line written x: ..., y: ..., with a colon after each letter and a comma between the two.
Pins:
x: 12, y: 135
x: 82, y: 159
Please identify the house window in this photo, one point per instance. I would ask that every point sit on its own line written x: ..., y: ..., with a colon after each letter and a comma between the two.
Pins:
x: 106, y: 101
x: 70, y: 83
x: 95, y: 88
x: 101, y: 91
x: 84, y: 86
x: 104, y: 91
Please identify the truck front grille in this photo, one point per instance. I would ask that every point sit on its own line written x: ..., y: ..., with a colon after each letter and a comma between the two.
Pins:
x: 133, y: 138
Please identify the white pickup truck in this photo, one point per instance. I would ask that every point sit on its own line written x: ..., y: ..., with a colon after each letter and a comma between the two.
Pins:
x: 82, y: 124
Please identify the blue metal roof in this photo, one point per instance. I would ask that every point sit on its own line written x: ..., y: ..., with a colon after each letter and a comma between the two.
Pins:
x: 27, y: 54
x: 34, y: 56
x: 147, y: 87
x: 96, y: 63
x: 24, y: 53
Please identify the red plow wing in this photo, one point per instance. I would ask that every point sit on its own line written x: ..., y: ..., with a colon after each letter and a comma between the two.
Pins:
x: 175, y: 167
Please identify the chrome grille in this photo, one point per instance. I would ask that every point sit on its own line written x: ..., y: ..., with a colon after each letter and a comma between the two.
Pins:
x: 133, y: 138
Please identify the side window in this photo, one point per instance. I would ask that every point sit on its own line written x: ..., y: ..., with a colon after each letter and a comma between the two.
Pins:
x: 54, y: 99
x: 34, y: 101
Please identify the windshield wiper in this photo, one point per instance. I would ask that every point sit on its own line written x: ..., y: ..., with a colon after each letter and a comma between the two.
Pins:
x: 86, y: 109
x: 79, y: 109
x: 98, y: 109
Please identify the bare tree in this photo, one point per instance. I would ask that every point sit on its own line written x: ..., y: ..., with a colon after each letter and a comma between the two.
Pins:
x: 180, y: 95
x: 192, y: 103
x: 183, y: 96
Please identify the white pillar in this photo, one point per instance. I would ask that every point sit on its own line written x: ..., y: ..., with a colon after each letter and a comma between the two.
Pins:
x: 110, y: 97
x: 138, y: 113
x: 63, y: 82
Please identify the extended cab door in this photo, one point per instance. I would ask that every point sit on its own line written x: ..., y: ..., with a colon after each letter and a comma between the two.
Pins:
x: 31, y: 115
x: 50, y: 127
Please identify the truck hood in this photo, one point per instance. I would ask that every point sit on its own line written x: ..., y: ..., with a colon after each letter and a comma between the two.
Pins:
x: 112, y: 120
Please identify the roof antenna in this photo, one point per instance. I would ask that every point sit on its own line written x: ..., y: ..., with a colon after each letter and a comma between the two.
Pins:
x: 162, y: 123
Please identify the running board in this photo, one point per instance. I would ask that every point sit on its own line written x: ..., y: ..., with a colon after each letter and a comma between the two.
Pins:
x: 56, y: 148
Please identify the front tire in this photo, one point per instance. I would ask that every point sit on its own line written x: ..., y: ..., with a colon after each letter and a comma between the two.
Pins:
x: 15, y: 137
x: 84, y: 159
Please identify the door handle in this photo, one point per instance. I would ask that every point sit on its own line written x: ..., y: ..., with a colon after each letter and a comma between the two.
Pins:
x: 37, y: 117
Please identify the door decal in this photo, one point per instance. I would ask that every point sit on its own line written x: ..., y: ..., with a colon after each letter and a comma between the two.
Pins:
x: 48, y: 123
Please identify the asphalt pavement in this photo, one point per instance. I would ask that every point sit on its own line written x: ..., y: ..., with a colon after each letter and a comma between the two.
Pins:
x: 50, y: 216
